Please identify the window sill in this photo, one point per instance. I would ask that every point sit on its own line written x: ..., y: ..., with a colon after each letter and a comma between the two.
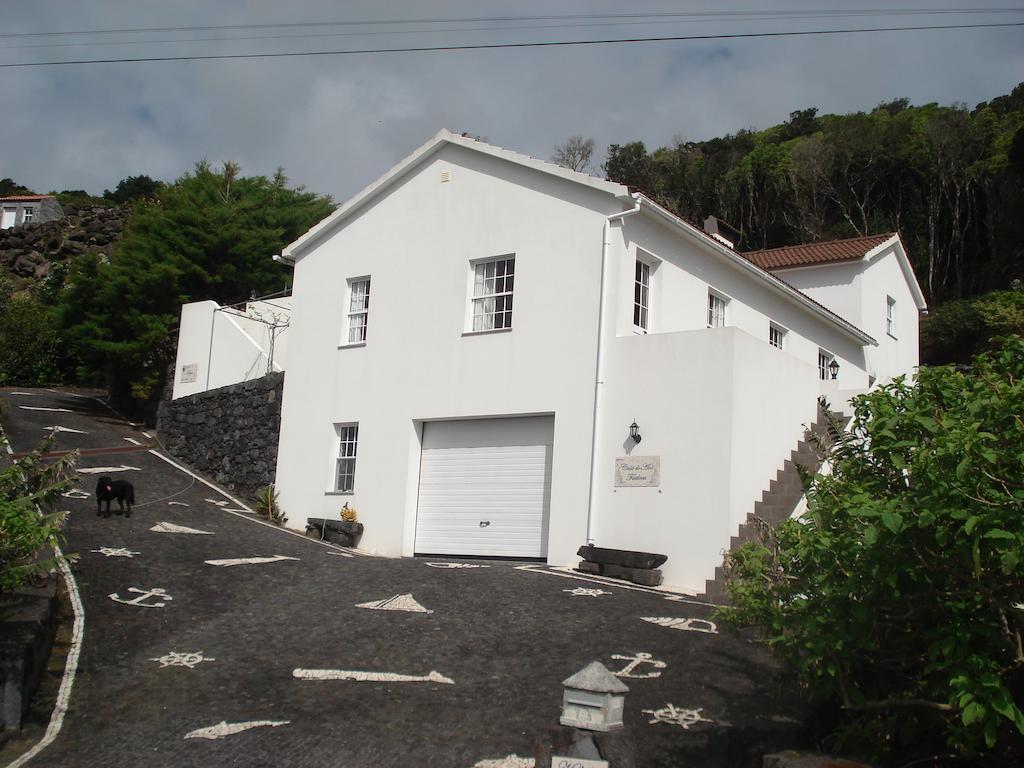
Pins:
x: 339, y: 493
x: 352, y: 345
x: 484, y: 333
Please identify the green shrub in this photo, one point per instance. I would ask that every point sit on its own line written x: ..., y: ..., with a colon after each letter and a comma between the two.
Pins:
x: 896, y: 596
x: 266, y: 505
x: 28, y: 523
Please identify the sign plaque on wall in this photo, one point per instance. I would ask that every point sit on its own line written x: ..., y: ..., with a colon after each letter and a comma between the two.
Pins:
x: 190, y: 373
x: 637, y: 471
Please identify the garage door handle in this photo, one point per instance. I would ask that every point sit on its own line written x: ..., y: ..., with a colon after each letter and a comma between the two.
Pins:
x: 484, y: 523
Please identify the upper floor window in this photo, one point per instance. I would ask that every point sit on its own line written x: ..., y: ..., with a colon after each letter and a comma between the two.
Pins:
x: 825, y: 360
x: 27, y: 213
x: 492, y: 293
x: 890, y: 311
x: 716, y: 310
x: 776, y: 335
x: 358, y: 309
x: 345, y: 464
x: 641, y: 295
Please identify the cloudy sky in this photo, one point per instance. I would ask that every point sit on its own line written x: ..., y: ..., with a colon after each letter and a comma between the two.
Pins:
x: 337, y: 122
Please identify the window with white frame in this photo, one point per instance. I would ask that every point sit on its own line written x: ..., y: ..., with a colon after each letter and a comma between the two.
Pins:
x: 890, y: 312
x: 824, y: 361
x: 358, y: 309
x: 776, y: 335
x: 641, y: 295
x: 716, y: 310
x: 27, y: 213
x: 345, y: 464
x: 492, y: 293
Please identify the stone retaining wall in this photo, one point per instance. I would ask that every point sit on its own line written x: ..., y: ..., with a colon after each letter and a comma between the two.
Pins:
x: 229, y: 434
x: 28, y: 621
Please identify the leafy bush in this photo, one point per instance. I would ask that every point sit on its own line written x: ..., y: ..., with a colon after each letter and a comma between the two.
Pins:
x: 28, y: 339
x: 897, y: 595
x: 26, y: 488
x: 266, y: 505
x: 956, y: 331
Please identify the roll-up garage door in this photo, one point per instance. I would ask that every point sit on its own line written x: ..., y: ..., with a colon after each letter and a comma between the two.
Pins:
x: 485, y: 487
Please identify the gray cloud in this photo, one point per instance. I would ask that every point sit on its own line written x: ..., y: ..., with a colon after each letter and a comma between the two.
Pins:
x: 336, y: 123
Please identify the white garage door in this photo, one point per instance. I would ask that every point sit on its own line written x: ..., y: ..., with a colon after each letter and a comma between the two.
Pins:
x: 485, y: 487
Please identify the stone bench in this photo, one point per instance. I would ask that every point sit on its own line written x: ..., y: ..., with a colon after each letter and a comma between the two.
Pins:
x: 638, y: 567
x: 338, y: 532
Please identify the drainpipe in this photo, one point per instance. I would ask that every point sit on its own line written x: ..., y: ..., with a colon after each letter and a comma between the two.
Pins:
x: 599, y: 367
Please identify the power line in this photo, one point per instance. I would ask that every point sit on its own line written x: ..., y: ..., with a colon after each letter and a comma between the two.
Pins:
x: 493, y: 46
x: 834, y: 12
x: 751, y: 16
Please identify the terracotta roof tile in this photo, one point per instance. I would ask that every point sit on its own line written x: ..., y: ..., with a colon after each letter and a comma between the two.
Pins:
x: 816, y: 253
x: 25, y: 198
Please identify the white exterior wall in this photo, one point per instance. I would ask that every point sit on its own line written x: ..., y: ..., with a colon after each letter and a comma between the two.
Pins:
x: 679, y: 300
x: 723, y: 411
x: 226, y: 347
x: 857, y: 291
x: 419, y: 364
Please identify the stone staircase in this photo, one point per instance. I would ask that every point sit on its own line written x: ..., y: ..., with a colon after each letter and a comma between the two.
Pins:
x: 778, y: 501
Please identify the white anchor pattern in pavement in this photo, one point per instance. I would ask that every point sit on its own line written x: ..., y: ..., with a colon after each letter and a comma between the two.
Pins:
x: 176, y: 659
x: 143, y: 595
x: 673, y: 715
x: 635, y: 661
x: 586, y: 592
x: 119, y: 552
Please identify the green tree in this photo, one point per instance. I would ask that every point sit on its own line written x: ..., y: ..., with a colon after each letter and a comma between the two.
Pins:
x: 209, y: 235
x: 29, y: 340
x: 132, y: 188
x: 899, y: 594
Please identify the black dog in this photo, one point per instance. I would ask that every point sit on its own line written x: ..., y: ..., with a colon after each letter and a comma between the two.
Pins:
x: 107, y: 490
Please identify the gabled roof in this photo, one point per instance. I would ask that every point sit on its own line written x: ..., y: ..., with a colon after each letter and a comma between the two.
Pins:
x: 848, y: 250
x: 618, y: 191
x: 25, y: 198
x: 828, y: 252
x: 435, y: 144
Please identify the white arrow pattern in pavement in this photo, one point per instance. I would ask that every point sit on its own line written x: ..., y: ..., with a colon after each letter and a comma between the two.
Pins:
x: 172, y: 528
x: 59, y: 428
x: 107, y: 470
x: 397, y: 603
x: 382, y: 677
x: 224, y: 728
x: 249, y: 560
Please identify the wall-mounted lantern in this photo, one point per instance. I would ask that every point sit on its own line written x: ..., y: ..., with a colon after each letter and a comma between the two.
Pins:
x: 593, y: 699
x: 634, y: 431
x: 833, y: 368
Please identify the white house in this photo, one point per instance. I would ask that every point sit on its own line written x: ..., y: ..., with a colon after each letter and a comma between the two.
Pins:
x: 474, y: 335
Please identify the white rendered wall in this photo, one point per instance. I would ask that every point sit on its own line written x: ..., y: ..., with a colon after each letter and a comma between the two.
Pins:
x: 225, y: 347
x: 686, y: 269
x: 419, y: 363
x: 857, y: 291
x: 722, y: 410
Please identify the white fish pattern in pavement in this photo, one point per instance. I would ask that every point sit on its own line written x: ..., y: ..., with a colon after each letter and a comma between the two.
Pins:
x: 385, y: 677
x: 249, y: 560
x: 224, y: 728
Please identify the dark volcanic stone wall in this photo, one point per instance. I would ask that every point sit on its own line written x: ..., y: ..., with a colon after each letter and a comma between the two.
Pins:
x: 228, y: 434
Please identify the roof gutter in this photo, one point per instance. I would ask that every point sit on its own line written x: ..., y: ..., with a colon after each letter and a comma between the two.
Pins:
x: 755, y: 271
x: 599, y: 364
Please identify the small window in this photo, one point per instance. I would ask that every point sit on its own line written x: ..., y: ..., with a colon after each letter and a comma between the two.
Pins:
x: 492, y: 294
x: 776, y: 336
x: 824, y: 361
x: 641, y: 295
x: 358, y: 309
x: 716, y: 310
x: 890, y: 311
x: 345, y: 464
x: 28, y: 213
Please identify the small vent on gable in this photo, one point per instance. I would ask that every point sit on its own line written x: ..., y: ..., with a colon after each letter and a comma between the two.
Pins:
x: 446, y: 176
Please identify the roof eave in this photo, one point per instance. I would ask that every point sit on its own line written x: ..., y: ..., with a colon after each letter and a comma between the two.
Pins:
x: 848, y: 328
x: 905, y: 268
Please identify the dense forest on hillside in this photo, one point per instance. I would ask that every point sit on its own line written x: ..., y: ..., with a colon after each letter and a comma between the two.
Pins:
x: 949, y: 179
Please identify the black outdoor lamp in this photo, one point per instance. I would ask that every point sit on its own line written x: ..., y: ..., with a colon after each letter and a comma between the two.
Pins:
x: 833, y: 368
x: 634, y: 431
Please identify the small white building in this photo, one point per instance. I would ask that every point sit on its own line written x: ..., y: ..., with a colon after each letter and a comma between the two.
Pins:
x: 474, y: 335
